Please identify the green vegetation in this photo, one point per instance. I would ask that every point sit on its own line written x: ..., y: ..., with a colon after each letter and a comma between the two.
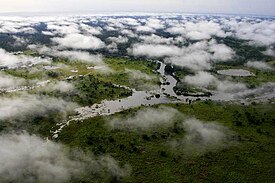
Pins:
x: 27, y: 73
x: 121, y: 77
x: 184, y: 89
x: 260, y: 77
x: 152, y: 159
x: 92, y: 90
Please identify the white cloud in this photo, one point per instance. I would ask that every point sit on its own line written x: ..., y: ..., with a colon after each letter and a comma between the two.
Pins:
x: 119, y: 39
x: 129, y: 33
x: 195, y: 60
x: 112, y: 47
x: 202, y: 137
x: 270, y: 52
x: 141, y: 80
x: 32, y: 105
x: 201, y: 79
x: 14, y: 26
x: 262, y: 93
x: 176, y: 30
x: 10, y: 60
x: 69, y: 28
x: 198, y: 31
x: 28, y: 159
x: 83, y: 56
x: 91, y: 30
x: 61, y: 86
x: 79, y: 41
x: 198, y: 56
x: 145, y: 29
x: 129, y: 21
x: 79, y: 55
x: 261, y: 33
x: 146, y: 119
x: 7, y: 81
x: 154, y: 23
x: 259, y: 65
x: 152, y: 50
x: 206, y: 80
x: 221, y: 52
x: 155, y: 39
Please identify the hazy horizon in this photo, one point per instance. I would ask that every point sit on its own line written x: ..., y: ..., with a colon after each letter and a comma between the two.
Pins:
x: 242, y: 7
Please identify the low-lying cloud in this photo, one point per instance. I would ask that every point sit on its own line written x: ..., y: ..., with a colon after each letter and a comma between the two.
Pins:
x: 201, y: 137
x: 206, y: 80
x: 73, y: 55
x: 259, y: 65
x: 79, y: 41
x: 28, y: 158
x: 26, y: 106
x: 146, y: 119
x: 10, y: 60
x: 141, y: 80
x: 61, y: 86
x: 7, y: 81
x: 151, y: 50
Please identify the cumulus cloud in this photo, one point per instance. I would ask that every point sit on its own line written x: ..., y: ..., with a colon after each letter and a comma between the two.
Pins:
x: 195, y: 57
x: 28, y: 158
x: 206, y: 80
x: 145, y: 29
x: 198, y: 30
x: 194, y: 60
x: 79, y: 41
x: 13, y: 26
x: 221, y: 52
x: 69, y: 54
x: 27, y: 105
x: 119, y: 39
x: 112, y: 47
x: 201, y: 79
x: 154, y: 23
x: 202, y: 137
x: 56, y: 28
x: 259, y: 65
x: 80, y: 55
x: 90, y: 30
x: 198, y: 56
x: 261, y: 33
x: 176, y: 30
x: 270, y: 52
x: 151, y: 50
x: 129, y: 33
x: 146, y: 119
x: 11, y: 60
x: 155, y: 39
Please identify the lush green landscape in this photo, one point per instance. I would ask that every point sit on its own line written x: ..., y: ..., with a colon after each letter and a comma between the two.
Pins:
x: 153, y: 159
x: 137, y: 98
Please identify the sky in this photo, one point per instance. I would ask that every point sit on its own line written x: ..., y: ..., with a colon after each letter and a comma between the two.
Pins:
x: 255, y: 7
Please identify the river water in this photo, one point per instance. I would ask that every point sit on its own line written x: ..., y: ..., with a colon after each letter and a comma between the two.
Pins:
x: 165, y: 95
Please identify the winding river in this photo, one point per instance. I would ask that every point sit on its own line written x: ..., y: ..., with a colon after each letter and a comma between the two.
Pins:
x: 164, y: 95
